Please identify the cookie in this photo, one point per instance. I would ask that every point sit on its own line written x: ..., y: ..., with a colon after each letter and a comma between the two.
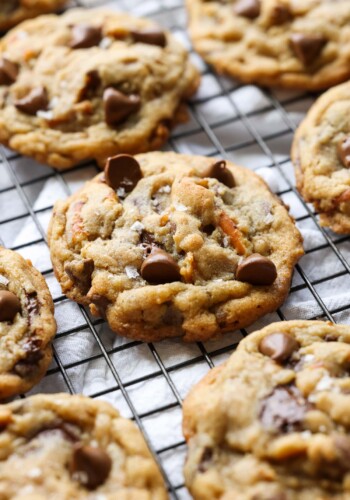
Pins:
x: 165, y: 245
x: 59, y: 446
x: 321, y: 156
x: 272, y: 423
x: 297, y: 44
x: 90, y: 84
x: 27, y: 324
x: 13, y: 12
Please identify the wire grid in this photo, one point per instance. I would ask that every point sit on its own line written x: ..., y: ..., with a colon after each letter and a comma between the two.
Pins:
x: 147, y: 382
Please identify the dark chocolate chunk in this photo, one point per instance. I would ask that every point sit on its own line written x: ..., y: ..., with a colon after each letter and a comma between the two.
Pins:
x: 247, y: 8
x: 344, y: 151
x: 159, y: 267
x: 80, y: 272
x: 307, y: 47
x: 91, y: 84
x: 90, y: 466
x: 220, y: 172
x: 284, y: 409
x: 10, y: 305
x: 150, y: 36
x: 33, y: 355
x: 280, y: 14
x: 256, y: 270
x: 278, y: 346
x: 36, y: 100
x: 101, y: 303
x: 122, y: 171
x: 206, y: 457
x: 119, y: 106
x: 32, y: 305
x: 8, y: 71
x: 85, y: 36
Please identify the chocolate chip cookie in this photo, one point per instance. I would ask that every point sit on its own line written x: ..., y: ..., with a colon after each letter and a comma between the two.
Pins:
x: 13, y: 12
x: 298, y: 44
x: 272, y: 423
x: 165, y: 245
x: 90, y: 84
x: 27, y: 324
x: 321, y: 156
x: 63, y: 447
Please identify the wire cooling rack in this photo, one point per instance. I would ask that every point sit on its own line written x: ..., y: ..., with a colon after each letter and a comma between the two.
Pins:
x: 147, y: 382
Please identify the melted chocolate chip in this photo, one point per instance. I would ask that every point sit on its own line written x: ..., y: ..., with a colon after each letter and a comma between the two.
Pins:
x: 101, y: 303
x: 220, y: 172
x: 122, y: 171
x: 256, y: 270
x: 206, y: 457
x: 85, y: 36
x: 10, y: 305
x: 159, y: 267
x: 307, y: 47
x: 8, y: 71
x: 91, y: 84
x: 119, y: 106
x: 36, y: 100
x: 33, y: 355
x: 150, y: 36
x: 247, y: 8
x: 280, y: 14
x: 80, y: 272
x: 32, y: 305
x: 344, y: 151
x: 147, y: 238
x: 90, y: 466
x: 278, y: 346
x: 284, y: 409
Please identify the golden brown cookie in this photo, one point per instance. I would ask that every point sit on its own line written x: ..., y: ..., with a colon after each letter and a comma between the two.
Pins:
x: 298, y: 44
x: 272, y: 423
x: 165, y: 245
x: 27, y: 324
x: 63, y: 447
x: 90, y: 84
x: 321, y: 156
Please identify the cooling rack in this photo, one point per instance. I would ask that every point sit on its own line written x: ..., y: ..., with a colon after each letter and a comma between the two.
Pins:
x: 147, y: 382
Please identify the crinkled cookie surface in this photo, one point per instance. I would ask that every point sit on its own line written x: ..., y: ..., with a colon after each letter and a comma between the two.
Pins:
x: 13, y: 12
x: 166, y: 245
x: 273, y: 422
x: 302, y: 44
x: 90, y: 84
x: 27, y: 324
x: 66, y: 447
x: 321, y: 156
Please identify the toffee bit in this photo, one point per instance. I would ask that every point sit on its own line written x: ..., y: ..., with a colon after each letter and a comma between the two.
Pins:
x: 235, y: 235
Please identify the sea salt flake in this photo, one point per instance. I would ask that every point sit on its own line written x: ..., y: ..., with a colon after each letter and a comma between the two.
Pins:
x: 53, y: 103
x: 81, y: 477
x: 132, y: 272
x: 268, y: 218
x: 137, y: 226
x: 180, y: 207
x: 4, y: 281
x: 325, y: 383
x: 36, y: 472
x: 106, y: 42
x: 309, y: 358
x: 226, y: 241
x: 305, y: 434
x: 121, y: 192
x: 164, y: 189
x: 47, y: 115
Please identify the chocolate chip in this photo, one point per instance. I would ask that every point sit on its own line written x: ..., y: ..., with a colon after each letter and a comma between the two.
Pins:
x: 8, y: 71
x: 256, y: 270
x: 91, y: 83
x: 36, y: 100
x: 206, y: 457
x: 122, y: 171
x: 119, y: 106
x: 280, y: 14
x: 80, y: 272
x: 220, y: 172
x: 159, y: 267
x: 33, y: 354
x: 278, y: 346
x: 90, y: 466
x: 247, y: 8
x: 307, y: 47
x: 344, y: 151
x: 32, y: 305
x: 284, y: 409
x: 10, y: 305
x: 101, y: 303
x: 172, y: 316
x: 85, y: 36
x: 150, y: 36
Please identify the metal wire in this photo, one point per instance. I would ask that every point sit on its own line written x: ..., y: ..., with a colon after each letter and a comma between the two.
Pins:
x: 16, y: 188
